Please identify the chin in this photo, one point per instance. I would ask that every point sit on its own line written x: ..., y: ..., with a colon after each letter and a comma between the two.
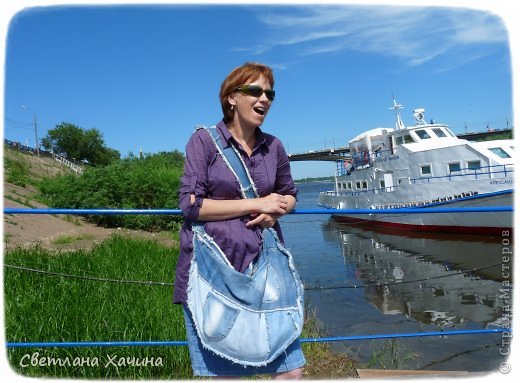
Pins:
x: 260, y: 119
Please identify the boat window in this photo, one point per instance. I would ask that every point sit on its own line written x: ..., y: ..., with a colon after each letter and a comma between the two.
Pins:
x: 499, y: 152
x: 439, y: 132
x: 426, y: 169
x: 365, y: 185
x: 349, y: 185
x: 473, y: 165
x: 381, y: 184
x: 406, y: 139
x: 339, y: 185
x: 423, y: 134
x: 358, y: 185
x: 454, y: 167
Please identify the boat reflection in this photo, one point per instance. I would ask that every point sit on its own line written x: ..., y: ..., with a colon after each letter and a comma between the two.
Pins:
x: 443, y: 280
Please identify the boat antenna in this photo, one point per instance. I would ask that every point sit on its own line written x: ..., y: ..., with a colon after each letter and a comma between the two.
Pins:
x: 398, y: 122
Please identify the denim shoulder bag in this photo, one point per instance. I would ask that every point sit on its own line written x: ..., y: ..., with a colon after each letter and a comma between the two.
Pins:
x: 249, y: 318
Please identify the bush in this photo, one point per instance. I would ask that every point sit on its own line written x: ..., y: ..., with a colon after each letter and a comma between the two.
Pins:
x: 132, y: 183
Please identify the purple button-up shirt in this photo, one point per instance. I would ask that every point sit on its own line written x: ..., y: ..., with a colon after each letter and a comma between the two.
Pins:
x: 207, y: 176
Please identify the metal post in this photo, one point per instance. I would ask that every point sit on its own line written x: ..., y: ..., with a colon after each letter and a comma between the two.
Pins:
x: 37, y: 145
x: 36, y: 135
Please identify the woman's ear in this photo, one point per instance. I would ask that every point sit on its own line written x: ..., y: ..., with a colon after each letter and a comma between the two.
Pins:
x: 231, y: 100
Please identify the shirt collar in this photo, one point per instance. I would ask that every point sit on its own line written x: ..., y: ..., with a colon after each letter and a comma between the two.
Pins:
x: 226, y: 134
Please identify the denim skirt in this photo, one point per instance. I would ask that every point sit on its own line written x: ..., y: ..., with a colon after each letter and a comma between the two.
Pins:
x: 206, y: 363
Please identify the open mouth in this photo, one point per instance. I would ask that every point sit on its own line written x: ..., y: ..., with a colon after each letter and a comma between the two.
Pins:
x: 260, y: 110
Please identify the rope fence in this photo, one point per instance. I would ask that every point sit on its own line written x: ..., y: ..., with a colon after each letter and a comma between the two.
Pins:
x: 415, y: 210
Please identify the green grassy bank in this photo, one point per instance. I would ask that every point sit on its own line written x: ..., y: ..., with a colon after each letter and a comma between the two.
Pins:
x: 47, y: 308
x: 58, y: 308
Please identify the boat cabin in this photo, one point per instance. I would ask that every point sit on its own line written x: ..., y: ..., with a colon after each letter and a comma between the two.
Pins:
x: 427, y: 152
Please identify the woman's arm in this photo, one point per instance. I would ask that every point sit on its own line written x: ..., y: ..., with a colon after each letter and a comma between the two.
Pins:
x: 267, y: 219
x: 217, y: 210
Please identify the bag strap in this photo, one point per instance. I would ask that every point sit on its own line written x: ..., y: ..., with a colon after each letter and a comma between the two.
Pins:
x: 235, y: 163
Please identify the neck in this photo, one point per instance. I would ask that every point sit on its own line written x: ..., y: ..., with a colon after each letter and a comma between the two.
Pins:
x: 245, y: 135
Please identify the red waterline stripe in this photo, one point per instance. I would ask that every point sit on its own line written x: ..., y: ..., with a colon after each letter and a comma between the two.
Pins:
x: 429, y: 228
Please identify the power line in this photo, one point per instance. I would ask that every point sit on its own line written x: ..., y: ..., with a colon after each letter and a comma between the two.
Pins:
x: 13, y: 121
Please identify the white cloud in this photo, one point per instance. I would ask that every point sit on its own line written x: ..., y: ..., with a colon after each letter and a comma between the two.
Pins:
x: 414, y: 34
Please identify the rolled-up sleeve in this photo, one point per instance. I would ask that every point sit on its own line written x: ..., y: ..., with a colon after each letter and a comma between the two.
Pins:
x: 195, y: 177
x: 284, y: 182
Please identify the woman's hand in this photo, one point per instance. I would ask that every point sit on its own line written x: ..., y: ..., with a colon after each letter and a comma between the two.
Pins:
x: 281, y: 205
x: 263, y: 220
x: 272, y: 204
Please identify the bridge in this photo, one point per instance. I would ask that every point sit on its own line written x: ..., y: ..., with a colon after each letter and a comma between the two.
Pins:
x: 343, y: 153
x: 329, y: 154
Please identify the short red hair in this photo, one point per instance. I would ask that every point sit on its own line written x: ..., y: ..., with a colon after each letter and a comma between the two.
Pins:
x: 240, y: 76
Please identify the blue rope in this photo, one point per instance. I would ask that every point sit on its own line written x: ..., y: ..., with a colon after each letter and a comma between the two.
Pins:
x: 94, y: 211
x: 406, y: 210
x: 480, y: 209
x: 303, y: 340
x: 405, y: 335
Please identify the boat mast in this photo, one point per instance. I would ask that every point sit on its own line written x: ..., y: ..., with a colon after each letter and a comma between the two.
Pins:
x: 398, y: 122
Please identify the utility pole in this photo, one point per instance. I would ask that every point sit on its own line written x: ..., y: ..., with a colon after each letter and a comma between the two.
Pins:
x: 37, y: 144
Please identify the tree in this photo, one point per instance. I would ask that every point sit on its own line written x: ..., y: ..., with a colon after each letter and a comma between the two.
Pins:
x: 84, y: 145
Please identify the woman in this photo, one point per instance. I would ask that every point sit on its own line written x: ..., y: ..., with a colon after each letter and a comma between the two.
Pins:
x: 209, y: 192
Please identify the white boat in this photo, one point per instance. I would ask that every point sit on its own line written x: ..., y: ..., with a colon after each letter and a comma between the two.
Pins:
x: 425, y: 166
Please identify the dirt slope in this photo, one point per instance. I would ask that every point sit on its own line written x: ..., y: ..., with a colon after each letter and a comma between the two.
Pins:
x: 51, y: 231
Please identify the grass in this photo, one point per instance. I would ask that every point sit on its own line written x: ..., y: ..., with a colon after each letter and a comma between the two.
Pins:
x: 45, y: 308
x: 72, y: 219
x: 68, y: 239
x: 21, y: 201
x: 393, y: 355
x: 17, y: 171
x: 322, y: 363
x: 49, y: 308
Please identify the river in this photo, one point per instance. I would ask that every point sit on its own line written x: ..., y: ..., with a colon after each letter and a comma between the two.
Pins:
x: 362, y: 281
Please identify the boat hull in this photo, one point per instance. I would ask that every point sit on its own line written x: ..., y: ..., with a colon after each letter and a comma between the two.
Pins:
x: 494, y: 223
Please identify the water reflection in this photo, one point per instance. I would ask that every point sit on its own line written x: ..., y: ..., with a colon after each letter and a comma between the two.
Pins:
x: 409, y: 287
x: 442, y: 280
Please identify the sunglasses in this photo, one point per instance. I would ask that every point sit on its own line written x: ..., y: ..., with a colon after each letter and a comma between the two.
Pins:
x: 256, y: 91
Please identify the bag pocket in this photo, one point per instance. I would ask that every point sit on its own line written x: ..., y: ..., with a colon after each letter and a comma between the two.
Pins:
x: 218, y: 318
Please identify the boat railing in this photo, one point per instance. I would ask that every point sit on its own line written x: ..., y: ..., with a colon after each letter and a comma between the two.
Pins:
x: 357, y: 192
x: 482, y: 172
x: 362, y: 160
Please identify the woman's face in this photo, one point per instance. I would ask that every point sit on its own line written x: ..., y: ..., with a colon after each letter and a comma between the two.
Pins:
x: 251, y: 110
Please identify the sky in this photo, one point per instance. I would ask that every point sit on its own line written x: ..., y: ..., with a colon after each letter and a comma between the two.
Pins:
x: 146, y: 75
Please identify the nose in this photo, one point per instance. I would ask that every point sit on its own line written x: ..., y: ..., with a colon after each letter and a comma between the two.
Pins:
x: 263, y: 97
